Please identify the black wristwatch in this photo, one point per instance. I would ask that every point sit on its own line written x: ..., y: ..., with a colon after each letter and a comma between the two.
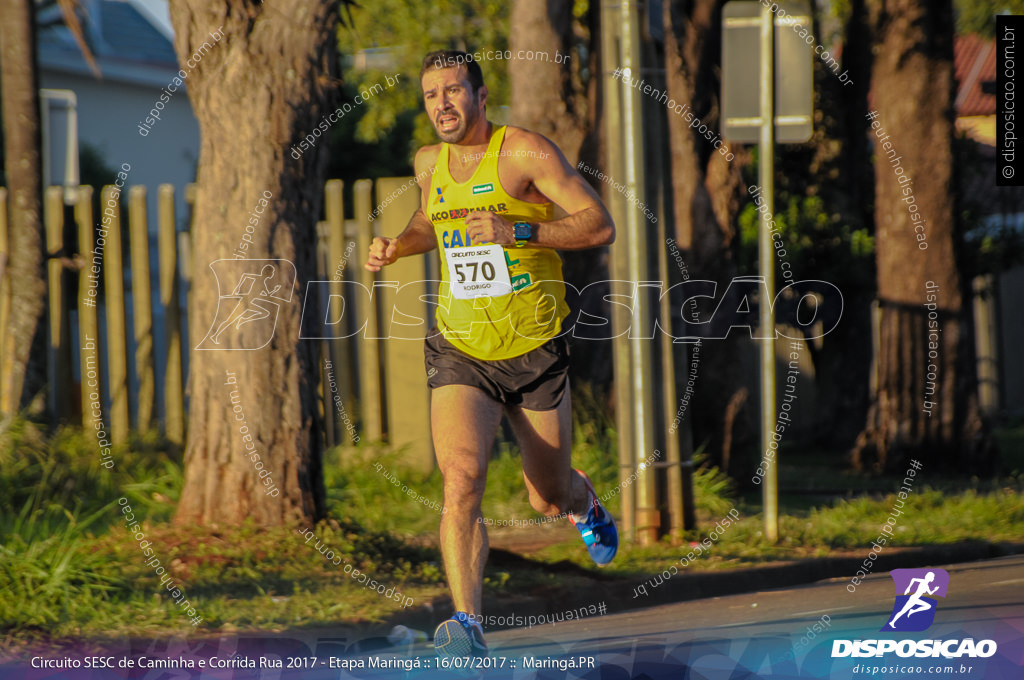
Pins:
x: 522, y: 232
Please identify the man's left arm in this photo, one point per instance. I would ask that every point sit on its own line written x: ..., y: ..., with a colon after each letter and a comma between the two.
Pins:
x: 587, y: 224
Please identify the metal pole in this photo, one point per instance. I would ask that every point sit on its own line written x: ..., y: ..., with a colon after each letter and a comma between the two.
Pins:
x: 619, y: 266
x: 674, y: 487
x: 766, y: 170
x: 647, y: 513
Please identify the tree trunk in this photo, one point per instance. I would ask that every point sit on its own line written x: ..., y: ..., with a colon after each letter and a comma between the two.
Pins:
x: 705, y: 203
x: 546, y: 97
x: 22, y: 341
x: 257, y: 91
x: 841, y: 173
x: 925, y: 404
x: 550, y: 98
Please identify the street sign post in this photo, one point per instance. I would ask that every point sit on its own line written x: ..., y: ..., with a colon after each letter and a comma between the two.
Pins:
x: 763, y: 103
x: 742, y: 60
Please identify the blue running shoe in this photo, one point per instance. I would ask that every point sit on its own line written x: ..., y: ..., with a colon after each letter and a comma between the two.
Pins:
x: 598, y: 529
x: 460, y: 636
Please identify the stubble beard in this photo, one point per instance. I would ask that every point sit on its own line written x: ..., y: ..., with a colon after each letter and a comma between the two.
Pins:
x: 460, y: 131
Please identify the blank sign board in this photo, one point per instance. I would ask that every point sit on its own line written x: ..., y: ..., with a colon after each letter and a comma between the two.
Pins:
x: 741, y: 71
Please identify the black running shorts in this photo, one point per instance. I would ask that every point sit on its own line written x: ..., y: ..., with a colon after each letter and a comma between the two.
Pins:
x: 535, y: 381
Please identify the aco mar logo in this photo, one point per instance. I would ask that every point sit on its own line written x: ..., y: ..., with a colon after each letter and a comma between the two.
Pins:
x: 914, y: 610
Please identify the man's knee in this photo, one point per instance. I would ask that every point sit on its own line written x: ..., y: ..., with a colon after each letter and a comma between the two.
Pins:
x: 462, y: 485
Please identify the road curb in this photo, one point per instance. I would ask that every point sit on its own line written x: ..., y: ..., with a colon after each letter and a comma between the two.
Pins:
x: 621, y: 595
x: 769, y: 577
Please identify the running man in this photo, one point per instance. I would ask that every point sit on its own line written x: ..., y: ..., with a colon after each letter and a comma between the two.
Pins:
x: 489, y: 208
x: 914, y: 603
x: 250, y: 306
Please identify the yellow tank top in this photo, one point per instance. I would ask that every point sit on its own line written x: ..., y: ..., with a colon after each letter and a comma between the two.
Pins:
x: 498, y: 326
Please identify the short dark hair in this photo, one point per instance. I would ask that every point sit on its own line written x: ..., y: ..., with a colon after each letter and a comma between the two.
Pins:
x: 439, y: 59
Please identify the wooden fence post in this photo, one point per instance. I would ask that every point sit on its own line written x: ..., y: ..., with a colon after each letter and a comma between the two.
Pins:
x: 174, y: 400
x: 117, y: 345
x: 59, y: 350
x: 142, y: 307
x: 408, y: 397
x: 323, y: 350
x: 88, y: 320
x: 371, y: 366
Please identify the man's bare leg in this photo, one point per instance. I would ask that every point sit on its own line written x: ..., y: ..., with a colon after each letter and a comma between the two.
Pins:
x: 545, y: 440
x: 464, y: 421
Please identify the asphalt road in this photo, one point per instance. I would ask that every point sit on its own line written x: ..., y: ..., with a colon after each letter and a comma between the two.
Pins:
x: 784, y: 633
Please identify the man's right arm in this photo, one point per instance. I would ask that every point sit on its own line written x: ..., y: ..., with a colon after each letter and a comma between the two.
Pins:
x: 418, y: 236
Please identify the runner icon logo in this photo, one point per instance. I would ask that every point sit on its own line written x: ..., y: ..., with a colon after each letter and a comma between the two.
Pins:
x: 250, y: 295
x: 914, y: 609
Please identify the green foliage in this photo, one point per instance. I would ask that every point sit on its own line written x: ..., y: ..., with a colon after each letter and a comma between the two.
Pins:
x: 979, y: 16
x: 929, y: 517
x: 816, y: 240
x: 401, y: 33
x: 47, y: 567
x: 74, y: 584
x: 359, y: 486
x: 714, y: 491
x: 359, y: 480
x: 972, y: 16
x: 54, y: 494
x: 44, y: 474
x: 825, y: 233
x: 69, y: 567
x: 1010, y: 441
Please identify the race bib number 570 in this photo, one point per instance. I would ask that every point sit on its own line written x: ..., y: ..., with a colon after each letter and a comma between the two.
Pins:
x: 478, y: 271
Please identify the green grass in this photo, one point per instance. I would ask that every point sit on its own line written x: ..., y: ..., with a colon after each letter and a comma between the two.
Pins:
x: 59, y: 472
x: 70, y: 571
x: 929, y: 517
x: 360, y: 483
x: 241, y: 578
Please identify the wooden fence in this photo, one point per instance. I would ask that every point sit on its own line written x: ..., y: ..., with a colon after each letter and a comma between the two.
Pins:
x: 134, y: 340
